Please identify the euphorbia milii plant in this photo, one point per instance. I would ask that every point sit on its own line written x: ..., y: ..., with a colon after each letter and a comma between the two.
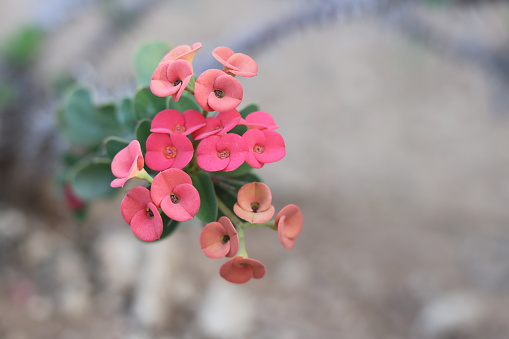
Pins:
x: 195, y: 147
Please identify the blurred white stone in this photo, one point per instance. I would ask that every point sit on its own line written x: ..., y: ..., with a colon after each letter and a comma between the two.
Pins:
x: 449, y: 315
x: 12, y: 224
x: 227, y: 310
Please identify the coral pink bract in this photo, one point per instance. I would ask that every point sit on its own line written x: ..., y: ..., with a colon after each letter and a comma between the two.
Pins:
x: 264, y: 146
x: 172, y: 121
x: 168, y: 151
x: 173, y: 191
x: 289, y: 225
x: 183, y: 52
x: 127, y: 163
x: 219, y: 239
x: 254, y: 203
x: 217, y: 91
x: 236, y: 63
x: 239, y: 270
x: 259, y: 120
x: 171, y: 78
x: 220, y: 124
x: 141, y: 214
x: 221, y: 153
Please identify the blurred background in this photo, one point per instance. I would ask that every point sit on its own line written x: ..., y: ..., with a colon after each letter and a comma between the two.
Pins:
x: 396, y: 119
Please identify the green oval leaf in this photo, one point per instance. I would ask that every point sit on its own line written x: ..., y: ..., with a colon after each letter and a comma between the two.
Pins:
x: 147, y: 105
x: 142, y: 132
x: 92, y: 180
x: 114, y: 145
x: 147, y: 59
x: 208, y: 203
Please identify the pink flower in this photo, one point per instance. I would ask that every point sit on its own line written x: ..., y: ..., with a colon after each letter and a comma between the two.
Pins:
x: 221, y: 153
x: 168, y: 151
x: 173, y: 191
x: 236, y: 63
x: 184, y: 52
x: 127, y: 163
x: 259, y: 120
x: 172, y: 121
x: 254, y: 203
x: 141, y: 214
x: 217, y: 91
x: 264, y: 146
x: 220, y: 124
x: 239, y: 270
x: 171, y: 78
x: 289, y: 225
x: 219, y: 239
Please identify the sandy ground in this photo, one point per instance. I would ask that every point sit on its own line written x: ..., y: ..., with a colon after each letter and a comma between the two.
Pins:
x: 396, y: 153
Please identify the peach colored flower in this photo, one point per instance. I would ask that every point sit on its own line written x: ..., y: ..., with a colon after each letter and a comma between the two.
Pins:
x: 127, y: 163
x: 171, y: 78
x: 254, y: 203
x: 173, y: 191
x: 141, y: 214
x: 236, y: 63
x: 264, y: 146
x: 183, y: 52
x: 239, y: 270
x: 217, y: 91
x: 221, y: 153
x: 172, y: 121
x: 168, y: 151
x: 220, y: 124
x: 289, y: 225
x: 219, y: 239
x: 259, y: 120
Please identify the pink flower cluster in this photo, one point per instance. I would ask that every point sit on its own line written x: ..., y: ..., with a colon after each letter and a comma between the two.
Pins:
x: 254, y: 205
x: 185, y: 143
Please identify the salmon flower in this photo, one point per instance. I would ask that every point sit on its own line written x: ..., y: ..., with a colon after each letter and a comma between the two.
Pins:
x: 172, y: 121
x: 254, y: 203
x: 221, y: 153
x: 168, y: 151
x: 183, y: 52
x: 127, y: 163
x: 219, y: 239
x: 264, y: 146
x: 215, y: 90
x: 289, y: 225
x: 239, y: 270
x: 259, y: 120
x: 141, y: 214
x: 236, y: 63
x: 173, y: 191
x: 220, y: 124
x: 171, y: 78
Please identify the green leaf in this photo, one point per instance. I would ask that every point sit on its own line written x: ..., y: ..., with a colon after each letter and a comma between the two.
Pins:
x: 23, y: 46
x: 185, y: 102
x: 91, y: 180
x: 208, y: 203
x: 114, y: 145
x: 142, y: 132
x: 125, y: 112
x: 84, y: 124
x: 228, y: 197
x: 147, y: 105
x: 249, y: 109
x: 147, y: 59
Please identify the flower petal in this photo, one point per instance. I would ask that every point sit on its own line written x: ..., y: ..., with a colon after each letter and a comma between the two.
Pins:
x: 145, y: 226
x: 254, y: 192
x: 166, y: 120
x: 165, y: 182
x: 211, y: 241
x: 254, y: 217
x: 239, y: 270
x: 136, y: 199
x: 187, y: 206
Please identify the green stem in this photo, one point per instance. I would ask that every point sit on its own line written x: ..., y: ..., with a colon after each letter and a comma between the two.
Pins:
x: 242, y: 243
x: 227, y: 212
x: 189, y: 89
x: 269, y: 224
x: 144, y: 176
